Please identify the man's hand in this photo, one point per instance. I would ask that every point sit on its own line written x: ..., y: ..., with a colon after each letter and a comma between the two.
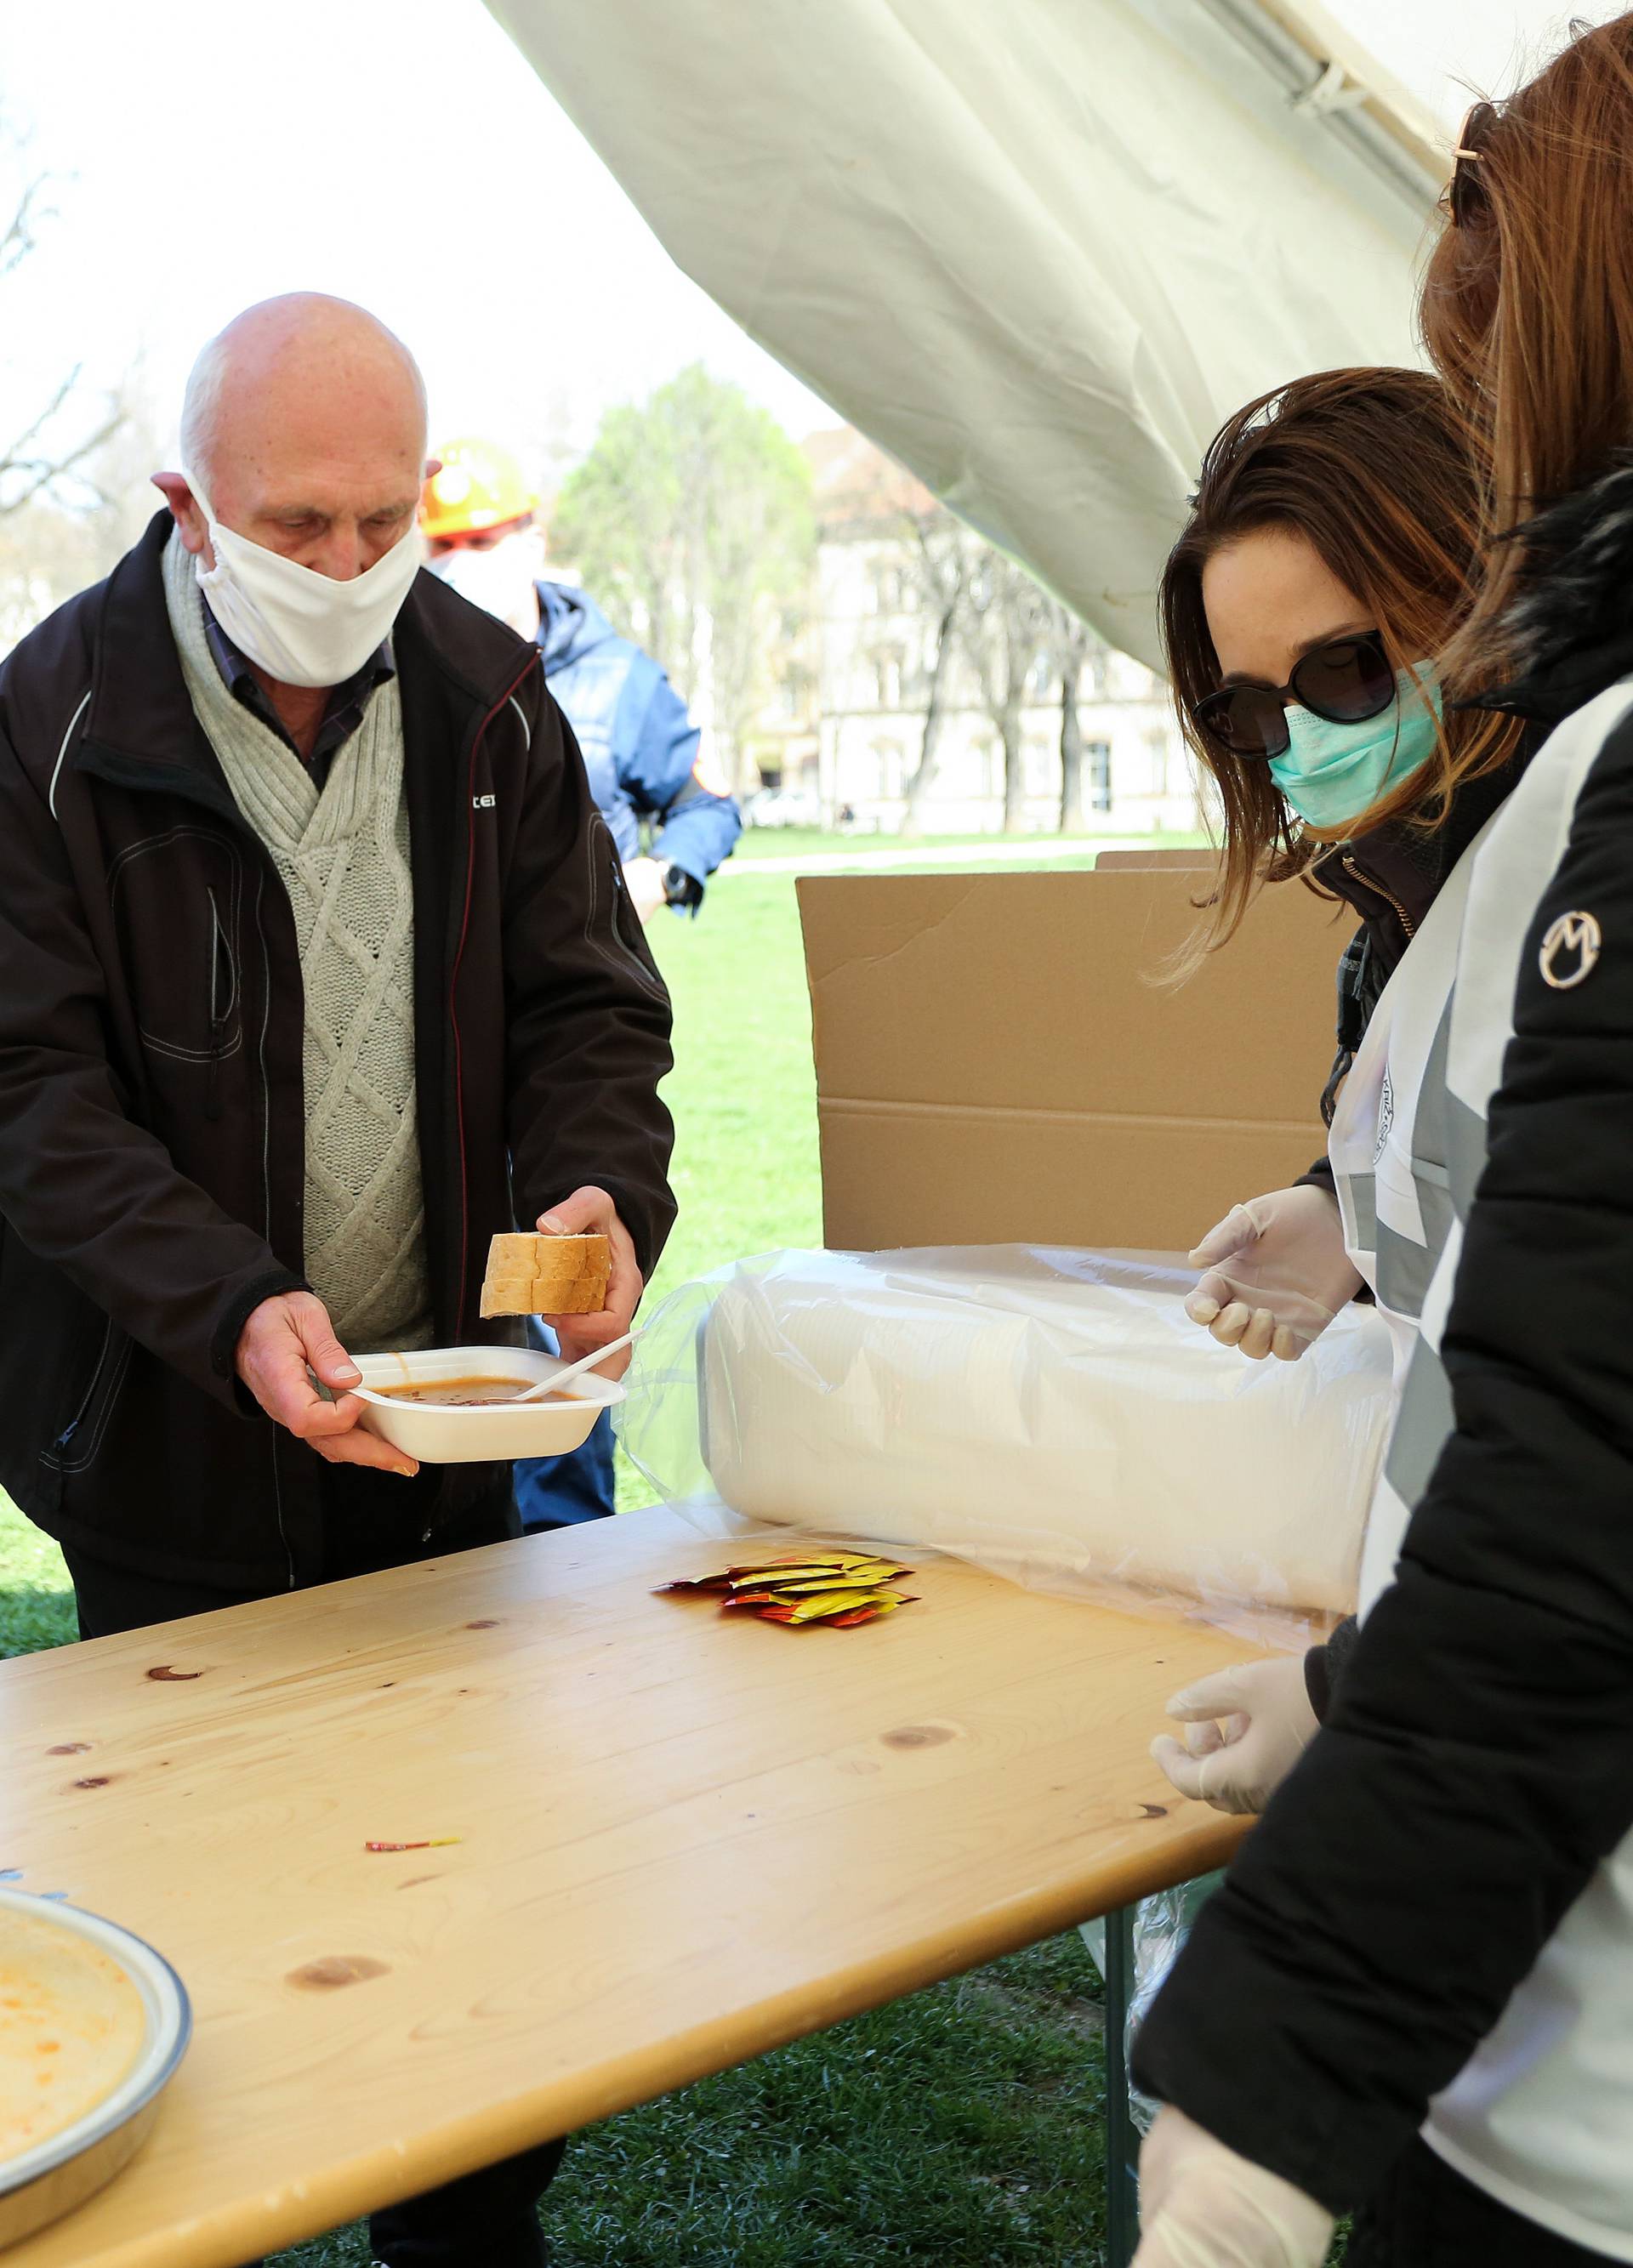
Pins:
x: 285, y: 1343
x: 643, y: 879
x: 590, y: 1212
x: 1201, y: 2206
x: 1246, y: 1728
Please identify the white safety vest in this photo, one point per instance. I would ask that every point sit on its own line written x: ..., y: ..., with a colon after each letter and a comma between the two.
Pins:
x: 1387, y: 1152
x: 1541, y: 2116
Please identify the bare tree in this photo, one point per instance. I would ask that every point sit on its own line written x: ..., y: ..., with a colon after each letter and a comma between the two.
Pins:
x: 1071, y: 643
x: 943, y: 558
x: 50, y: 548
x: 64, y: 478
x: 1003, y: 632
x: 46, y: 452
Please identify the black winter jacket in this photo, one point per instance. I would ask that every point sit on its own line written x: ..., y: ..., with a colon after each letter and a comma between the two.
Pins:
x: 152, y: 1117
x: 1477, y: 1764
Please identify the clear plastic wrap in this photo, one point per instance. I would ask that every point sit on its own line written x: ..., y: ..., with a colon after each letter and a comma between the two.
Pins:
x: 1161, y: 1926
x: 1052, y: 1415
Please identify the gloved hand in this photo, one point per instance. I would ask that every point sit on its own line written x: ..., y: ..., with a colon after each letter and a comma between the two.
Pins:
x: 1275, y: 1274
x: 1201, y: 2206
x: 1246, y: 1728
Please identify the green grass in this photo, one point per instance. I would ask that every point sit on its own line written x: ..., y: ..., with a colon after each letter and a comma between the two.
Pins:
x: 36, y: 1606
x: 960, y: 2127
x: 743, y: 1090
x: 802, y: 842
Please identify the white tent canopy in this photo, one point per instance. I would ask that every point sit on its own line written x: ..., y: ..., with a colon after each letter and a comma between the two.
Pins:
x: 1036, y: 251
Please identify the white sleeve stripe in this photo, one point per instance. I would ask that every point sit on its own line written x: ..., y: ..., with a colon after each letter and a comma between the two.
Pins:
x: 57, y: 768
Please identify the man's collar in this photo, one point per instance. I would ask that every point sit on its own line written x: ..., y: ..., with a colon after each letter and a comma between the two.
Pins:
x: 239, y: 677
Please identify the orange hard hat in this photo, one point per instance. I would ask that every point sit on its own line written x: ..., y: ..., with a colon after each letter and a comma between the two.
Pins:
x: 479, y: 486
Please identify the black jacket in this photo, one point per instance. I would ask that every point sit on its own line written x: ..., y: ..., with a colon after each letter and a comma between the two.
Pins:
x: 151, y: 1118
x: 1477, y: 1764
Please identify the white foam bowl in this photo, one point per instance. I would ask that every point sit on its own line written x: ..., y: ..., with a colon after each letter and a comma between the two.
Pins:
x: 499, y: 1432
x: 42, y: 2184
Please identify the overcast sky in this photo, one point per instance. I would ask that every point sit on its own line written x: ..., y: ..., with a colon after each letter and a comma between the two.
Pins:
x: 402, y: 153
x: 1447, y: 51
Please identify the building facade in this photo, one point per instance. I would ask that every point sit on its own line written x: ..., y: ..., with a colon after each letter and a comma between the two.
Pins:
x: 899, y: 586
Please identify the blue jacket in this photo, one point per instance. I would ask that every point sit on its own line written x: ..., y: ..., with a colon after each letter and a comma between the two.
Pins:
x: 639, y: 747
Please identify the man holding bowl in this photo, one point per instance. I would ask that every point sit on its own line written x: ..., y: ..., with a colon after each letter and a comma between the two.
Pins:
x: 316, y: 968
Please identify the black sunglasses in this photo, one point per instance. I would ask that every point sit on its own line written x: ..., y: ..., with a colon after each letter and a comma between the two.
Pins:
x: 1343, y: 682
x: 1467, y: 196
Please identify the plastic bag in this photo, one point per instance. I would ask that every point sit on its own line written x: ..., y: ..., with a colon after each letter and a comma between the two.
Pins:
x: 1161, y: 1926
x: 1051, y: 1415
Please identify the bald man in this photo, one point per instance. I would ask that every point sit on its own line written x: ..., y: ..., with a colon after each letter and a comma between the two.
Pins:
x: 316, y: 968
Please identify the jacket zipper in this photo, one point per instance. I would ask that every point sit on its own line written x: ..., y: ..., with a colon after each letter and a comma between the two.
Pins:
x: 90, y: 1394
x: 459, y: 954
x: 1371, y: 882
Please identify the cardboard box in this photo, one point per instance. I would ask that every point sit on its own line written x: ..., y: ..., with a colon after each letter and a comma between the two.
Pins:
x: 1190, y: 859
x: 993, y: 1065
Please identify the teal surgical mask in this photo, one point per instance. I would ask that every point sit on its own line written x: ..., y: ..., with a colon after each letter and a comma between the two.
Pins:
x: 1332, y: 773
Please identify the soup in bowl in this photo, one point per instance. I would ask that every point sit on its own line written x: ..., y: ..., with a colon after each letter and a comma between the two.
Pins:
x: 457, y: 1405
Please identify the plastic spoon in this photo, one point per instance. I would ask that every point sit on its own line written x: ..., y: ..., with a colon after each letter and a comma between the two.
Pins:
x: 586, y: 1362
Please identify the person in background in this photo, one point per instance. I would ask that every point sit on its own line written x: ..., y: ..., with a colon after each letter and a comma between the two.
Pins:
x: 480, y: 520
x: 641, y: 748
x: 1329, y: 551
x: 1414, y: 1995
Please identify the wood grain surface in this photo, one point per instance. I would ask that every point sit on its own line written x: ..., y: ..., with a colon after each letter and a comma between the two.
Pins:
x: 684, y: 1839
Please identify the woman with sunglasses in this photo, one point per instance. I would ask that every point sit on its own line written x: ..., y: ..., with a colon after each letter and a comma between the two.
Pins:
x: 1433, y: 1928
x: 1328, y: 555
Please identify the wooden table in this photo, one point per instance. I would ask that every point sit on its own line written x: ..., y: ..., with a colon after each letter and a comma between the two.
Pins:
x: 684, y: 1840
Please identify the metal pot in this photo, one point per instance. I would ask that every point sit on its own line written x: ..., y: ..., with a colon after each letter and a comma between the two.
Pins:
x: 69, y: 2167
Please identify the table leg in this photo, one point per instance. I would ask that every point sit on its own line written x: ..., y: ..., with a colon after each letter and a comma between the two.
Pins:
x: 1122, y: 2139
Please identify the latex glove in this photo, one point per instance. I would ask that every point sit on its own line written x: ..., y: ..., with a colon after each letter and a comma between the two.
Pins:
x: 1201, y: 2206
x: 1275, y: 1274
x: 1246, y: 1728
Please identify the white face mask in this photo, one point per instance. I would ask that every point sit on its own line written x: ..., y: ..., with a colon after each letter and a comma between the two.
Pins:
x: 300, y: 627
x: 500, y: 580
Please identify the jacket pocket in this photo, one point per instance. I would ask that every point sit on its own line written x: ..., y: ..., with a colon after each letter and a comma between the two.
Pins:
x: 77, y: 1442
x: 177, y: 898
x: 224, y: 1023
x: 627, y: 926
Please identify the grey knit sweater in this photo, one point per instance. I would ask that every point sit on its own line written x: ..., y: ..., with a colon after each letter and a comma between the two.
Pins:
x: 342, y: 856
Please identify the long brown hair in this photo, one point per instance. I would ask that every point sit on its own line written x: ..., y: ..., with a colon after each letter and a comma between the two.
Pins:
x: 1527, y: 308
x: 1372, y: 467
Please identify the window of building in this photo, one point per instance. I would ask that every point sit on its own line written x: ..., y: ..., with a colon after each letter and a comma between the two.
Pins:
x: 1157, y: 743
x: 891, y: 768
x: 887, y: 674
x: 1098, y: 755
x: 887, y: 591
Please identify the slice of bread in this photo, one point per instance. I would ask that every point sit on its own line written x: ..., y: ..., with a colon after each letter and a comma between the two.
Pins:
x: 546, y: 1276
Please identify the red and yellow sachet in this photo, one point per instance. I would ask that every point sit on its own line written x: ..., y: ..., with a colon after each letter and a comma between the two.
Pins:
x: 840, y: 1589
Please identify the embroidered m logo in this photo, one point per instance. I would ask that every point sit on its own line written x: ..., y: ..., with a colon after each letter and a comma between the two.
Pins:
x: 1571, y: 951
